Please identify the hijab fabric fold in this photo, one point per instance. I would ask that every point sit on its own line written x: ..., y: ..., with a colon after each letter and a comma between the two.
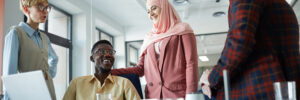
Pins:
x: 168, y: 24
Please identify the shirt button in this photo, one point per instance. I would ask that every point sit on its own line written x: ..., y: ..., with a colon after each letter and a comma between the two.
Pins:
x: 150, y: 84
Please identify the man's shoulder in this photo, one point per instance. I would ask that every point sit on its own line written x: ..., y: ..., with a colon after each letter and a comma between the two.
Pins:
x: 120, y: 79
x: 83, y: 78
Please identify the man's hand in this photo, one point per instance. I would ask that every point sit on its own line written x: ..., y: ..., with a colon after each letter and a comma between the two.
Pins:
x: 204, y: 83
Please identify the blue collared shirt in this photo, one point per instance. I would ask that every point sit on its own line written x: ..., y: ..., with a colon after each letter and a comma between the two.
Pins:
x: 11, y: 50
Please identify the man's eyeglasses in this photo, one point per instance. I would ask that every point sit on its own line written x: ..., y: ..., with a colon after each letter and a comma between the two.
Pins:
x: 102, y: 52
x: 42, y: 8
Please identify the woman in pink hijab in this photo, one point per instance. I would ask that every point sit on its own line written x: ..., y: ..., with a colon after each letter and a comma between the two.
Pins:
x: 169, y: 54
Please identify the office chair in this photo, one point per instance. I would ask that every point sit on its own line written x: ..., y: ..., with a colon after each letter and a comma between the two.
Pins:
x: 135, y: 80
x: 205, y: 96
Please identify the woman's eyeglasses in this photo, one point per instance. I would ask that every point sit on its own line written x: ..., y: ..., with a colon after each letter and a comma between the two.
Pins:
x: 42, y: 8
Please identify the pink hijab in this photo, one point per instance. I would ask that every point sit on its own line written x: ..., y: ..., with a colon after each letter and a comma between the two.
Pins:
x: 168, y: 24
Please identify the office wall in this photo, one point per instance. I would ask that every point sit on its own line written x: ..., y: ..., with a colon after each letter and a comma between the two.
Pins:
x: 81, y: 45
x: 10, y: 14
x: 137, y: 33
x: 120, y: 54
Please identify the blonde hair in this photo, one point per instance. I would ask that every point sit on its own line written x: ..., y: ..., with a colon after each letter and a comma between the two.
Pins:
x: 30, y: 3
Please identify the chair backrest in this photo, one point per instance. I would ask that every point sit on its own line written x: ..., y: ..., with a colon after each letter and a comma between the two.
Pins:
x: 135, y: 80
x: 205, y: 96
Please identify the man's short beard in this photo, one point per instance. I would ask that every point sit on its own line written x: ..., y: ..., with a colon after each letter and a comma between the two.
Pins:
x: 102, y: 70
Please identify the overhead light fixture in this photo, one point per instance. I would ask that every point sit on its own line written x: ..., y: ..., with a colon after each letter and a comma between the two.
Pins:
x: 203, y: 58
x: 181, y: 2
x: 219, y: 14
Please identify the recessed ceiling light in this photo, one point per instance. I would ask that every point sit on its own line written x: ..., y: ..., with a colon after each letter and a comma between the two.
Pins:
x: 181, y: 2
x: 219, y: 14
x: 203, y: 58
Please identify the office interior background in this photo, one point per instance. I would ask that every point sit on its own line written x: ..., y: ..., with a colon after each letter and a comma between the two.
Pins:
x: 74, y: 25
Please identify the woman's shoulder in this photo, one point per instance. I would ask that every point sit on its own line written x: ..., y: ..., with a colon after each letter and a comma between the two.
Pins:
x: 12, y: 30
x: 184, y: 24
x: 12, y: 33
x: 182, y: 28
x: 188, y: 36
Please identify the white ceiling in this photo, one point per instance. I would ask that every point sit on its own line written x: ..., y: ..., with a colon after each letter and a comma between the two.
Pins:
x: 125, y: 12
x: 131, y: 13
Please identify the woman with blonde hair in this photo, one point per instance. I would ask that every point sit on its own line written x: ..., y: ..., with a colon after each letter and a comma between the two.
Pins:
x: 27, y: 48
x: 169, y: 54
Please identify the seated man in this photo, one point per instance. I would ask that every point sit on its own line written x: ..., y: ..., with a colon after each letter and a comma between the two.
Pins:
x: 102, y: 82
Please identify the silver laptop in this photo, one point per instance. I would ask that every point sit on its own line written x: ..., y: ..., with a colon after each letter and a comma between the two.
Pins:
x: 26, y: 86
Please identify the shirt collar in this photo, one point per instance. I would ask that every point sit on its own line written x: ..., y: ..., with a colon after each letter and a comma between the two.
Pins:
x: 109, y: 77
x: 27, y: 29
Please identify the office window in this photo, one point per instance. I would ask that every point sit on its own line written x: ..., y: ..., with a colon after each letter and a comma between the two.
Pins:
x: 132, y: 52
x: 41, y: 25
x: 105, y: 36
x: 133, y: 55
x: 58, y: 29
x: 58, y: 23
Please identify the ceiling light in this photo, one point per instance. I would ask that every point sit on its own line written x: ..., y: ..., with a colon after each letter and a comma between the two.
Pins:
x: 181, y: 2
x: 219, y: 14
x: 203, y: 58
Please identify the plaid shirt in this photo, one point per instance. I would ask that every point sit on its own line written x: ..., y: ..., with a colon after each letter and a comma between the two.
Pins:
x: 262, y: 47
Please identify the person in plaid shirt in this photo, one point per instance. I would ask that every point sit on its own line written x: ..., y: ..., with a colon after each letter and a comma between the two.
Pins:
x: 262, y: 47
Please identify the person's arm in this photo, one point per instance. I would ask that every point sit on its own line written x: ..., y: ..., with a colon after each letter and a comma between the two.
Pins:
x: 11, y: 53
x: 70, y: 94
x: 52, y: 59
x: 191, y: 58
x: 10, y: 56
x: 130, y: 91
x: 240, y: 40
x: 138, y: 69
